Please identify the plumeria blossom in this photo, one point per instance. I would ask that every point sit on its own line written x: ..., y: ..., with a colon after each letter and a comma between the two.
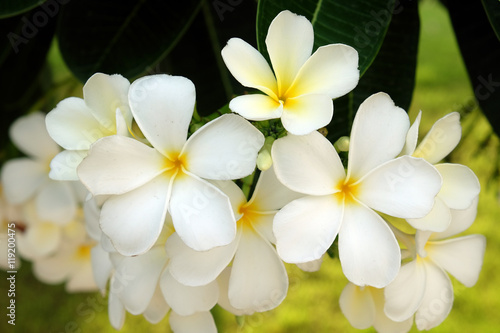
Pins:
x: 257, y: 279
x: 460, y: 184
x: 142, y: 285
x: 76, y: 123
x: 70, y: 262
x: 364, y: 307
x: 145, y: 181
x: 344, y: 203
x: 26, y: 178
x: 39, y: 237
x: 300, y: 87
x: 422, y: 288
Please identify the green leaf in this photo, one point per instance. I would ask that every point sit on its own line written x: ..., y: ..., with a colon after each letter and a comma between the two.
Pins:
x: 9, y: 8
x: 22, y: 59
x: 480, y: 50
x: 197, y: 56
x: 126, y: 38
x: 492, y: 8
x: 393, y: 70
x: 361, y: 24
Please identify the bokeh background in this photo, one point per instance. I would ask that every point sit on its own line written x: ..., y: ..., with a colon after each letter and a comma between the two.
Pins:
x: 442, y: 86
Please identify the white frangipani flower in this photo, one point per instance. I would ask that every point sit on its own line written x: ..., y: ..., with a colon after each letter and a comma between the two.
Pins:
x: 460, y: 184
x: 300, y: 87
x: 344, y: 204
x: 26, y: 178
x: 70, y: 262
x: 142, y: 285
x: 257, y: 279
x: 422, y: 287
x: 364, y: 307
x: 145, y: 181
x: 76, y: 123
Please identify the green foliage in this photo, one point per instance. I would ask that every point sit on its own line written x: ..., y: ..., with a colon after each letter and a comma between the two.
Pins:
x: 142, y: 37
x: 124, y: 38
x: 480, y: 48
x: 10, y: 8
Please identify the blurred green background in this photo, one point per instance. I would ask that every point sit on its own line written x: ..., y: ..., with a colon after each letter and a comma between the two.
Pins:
x: 442, y: 86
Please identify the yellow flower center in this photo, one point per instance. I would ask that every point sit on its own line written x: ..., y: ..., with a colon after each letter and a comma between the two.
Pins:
x: 248, y: 215
x: 175, y: 164
x: 83, y: 251
x: 348, y: 190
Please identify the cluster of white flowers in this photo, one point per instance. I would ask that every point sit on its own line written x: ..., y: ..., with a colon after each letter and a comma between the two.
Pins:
x: 154, y: 213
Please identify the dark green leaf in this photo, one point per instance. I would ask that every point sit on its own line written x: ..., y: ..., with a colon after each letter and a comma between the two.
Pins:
x: 393, y: 70
x: 22, y: 59
x: 128, y: 37
x: 360, y: 24
x: 9, y: 8
x: 492, y: 8
x: 197, y: 56
x: 480, y: 50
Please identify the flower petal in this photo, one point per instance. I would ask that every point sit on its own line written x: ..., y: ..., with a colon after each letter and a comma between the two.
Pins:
x: 307, y: 164
x: 442, y: 138
x: 249, y: 67
x: 226, y: 148
x: 256, y: 107
x: 460, y: 185
x: 331, y: 70
x: 412, y: 137
x: 307, y: 113
x: 197, y: 268
x: 223, y: 301
x: 185, y: 300
x: 72, y: 125
x: 133, y: 221
x: 116, y: 310
x: 438, y: 298
x: 270, y: 194
x: 356, y: 303
x: 461, y: 220
x: 311, y: 266
x: 103, y: 94
x: 198, y: 322
x: 162, y: 106
x: 136, y: 278
x: 404, y: 295
x: 157, y: 308
x: 438, y: 219
x: 289, y: 43
x: 21, y: 178
x: 404, y: 187
x: 259, y: 281
x: 117, y: 165
x: 306, y: 227
x: 378, y: 134
x: 377, y: 261
x: 30, y: 135
x: 383, y: 323
x: 39, y: 240
x: 101, y: 267
x: 56, y: 202
x: 53, y: 269
x: 81, y: 279
x: 202, y: 214
x: 461, y: 257
x: 63, y: 165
